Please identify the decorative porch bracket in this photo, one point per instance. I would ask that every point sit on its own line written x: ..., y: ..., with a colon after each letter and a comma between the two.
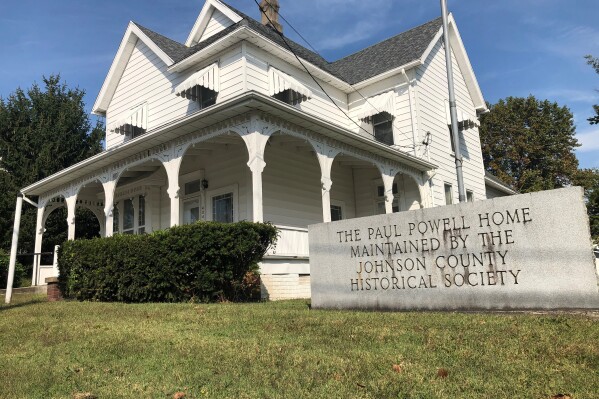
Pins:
x: 326, y: 155
x: 255, y: 134
x: 109, y: 187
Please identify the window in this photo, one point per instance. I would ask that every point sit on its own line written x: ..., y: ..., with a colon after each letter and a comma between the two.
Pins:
x: 380, y: 205
x: 191, y: 211
x: 194, y: 186
x: 128, y: 217
x: 115, y: 218
x: 290, y: 97
x: 448, y: 194
x: 383, y: 127
x: 222, y: 208
x: 469, y: 196
x: 141, y: 215
x: 203, y: 96
x: 336, y: 213
x: 130, y: 131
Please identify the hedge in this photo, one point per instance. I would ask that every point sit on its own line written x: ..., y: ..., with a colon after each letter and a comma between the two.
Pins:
x: 19, y: 271
x: 205, y: 262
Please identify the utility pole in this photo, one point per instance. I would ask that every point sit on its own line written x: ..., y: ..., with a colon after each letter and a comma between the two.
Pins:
x: 452, y: 106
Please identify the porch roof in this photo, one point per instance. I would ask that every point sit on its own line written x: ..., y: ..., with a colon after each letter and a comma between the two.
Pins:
x: 245, y: 103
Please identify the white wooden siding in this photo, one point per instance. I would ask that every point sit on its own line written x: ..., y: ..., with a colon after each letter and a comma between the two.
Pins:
x: 218, y: 22
x: 366, y: 181
x: 319, y: 105
x: 343, y: 189
x: 402, y: 123
x: 291, y: 186
x: 431, y: 97
x: 146, y: 79
x: 231, y: 74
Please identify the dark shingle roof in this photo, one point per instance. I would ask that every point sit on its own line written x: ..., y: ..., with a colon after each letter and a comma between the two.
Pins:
x: 172, y: 48
x: 374, y: 60
x: 387, y: 55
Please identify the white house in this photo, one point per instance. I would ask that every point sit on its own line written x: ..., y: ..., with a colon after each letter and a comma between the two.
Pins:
x: 238, y: 123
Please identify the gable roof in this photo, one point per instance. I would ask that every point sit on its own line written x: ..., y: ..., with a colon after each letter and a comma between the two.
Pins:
x: 389, y: 54
x: 406, y: 49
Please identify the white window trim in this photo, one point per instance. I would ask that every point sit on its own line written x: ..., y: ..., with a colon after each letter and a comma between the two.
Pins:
x: 377, y: 199
x: 451, y: 192
x: 233, y: 188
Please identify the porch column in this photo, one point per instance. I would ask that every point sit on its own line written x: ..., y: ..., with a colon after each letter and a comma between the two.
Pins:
x: 39, y: 233
x: 172, y: 167
x: 13, y: 249
x: 257, y: 165
x: 326, y: 155
x: 109, y: 187
x: 255, y: 137
x: 71, y: 202
x: 388, y: 184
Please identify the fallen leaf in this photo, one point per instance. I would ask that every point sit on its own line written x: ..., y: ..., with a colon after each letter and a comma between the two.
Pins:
x: 84, y: 395
x: 561, y: 396
x: 397, y: 368
x: 179, y: 395
x: 360, y: 385
x: 442, y: 373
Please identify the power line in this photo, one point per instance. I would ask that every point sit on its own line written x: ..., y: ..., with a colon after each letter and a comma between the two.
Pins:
x: 317, y: 53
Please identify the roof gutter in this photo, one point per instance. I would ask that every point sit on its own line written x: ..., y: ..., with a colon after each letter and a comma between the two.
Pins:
x: 388, y: 74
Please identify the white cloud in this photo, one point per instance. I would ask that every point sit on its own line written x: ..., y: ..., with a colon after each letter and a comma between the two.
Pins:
x: 569, y: 95
x: 589, y: 139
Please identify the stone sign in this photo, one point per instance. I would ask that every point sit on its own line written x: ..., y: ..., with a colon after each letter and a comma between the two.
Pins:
x: 528, y: 251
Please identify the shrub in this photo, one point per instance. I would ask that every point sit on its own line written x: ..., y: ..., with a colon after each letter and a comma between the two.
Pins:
x: 19, y: 271
x: 205, y: 261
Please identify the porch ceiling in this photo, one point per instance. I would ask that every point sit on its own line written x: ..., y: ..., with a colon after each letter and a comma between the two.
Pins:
x: 247, y: 102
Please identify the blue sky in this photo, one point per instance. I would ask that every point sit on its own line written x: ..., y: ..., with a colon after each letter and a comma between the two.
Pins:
x: 516, y: 47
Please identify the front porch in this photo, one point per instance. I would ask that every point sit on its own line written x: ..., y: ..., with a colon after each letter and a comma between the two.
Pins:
x: 256, y: 166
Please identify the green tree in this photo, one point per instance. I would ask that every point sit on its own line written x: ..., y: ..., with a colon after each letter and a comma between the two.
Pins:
x: 42, y: 131
x: 589, y: 179
x: 594, y: 62
x: 529, y: 143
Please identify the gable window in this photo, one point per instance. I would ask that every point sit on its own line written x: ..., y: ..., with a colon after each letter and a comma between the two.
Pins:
x: 201, y: 87
x: 286, y: 88
x: 382, y: 124
x: 134, y: 125
x: 378, y: 111
x: 203, y: 96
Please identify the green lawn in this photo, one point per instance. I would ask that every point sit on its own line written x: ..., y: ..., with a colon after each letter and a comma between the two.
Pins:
x: 286, y: 350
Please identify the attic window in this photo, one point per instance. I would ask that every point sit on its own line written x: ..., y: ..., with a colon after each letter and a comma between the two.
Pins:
x: 286, y: 88
x: 290, y: 97
x: 134, y: 125
x: 201, y: 87
x: 382, y: 124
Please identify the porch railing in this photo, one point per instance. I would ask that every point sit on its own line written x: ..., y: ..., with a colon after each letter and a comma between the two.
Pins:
x: 292, y: 242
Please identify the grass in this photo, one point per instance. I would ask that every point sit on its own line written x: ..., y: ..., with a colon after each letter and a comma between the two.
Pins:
x: 286, y: 350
